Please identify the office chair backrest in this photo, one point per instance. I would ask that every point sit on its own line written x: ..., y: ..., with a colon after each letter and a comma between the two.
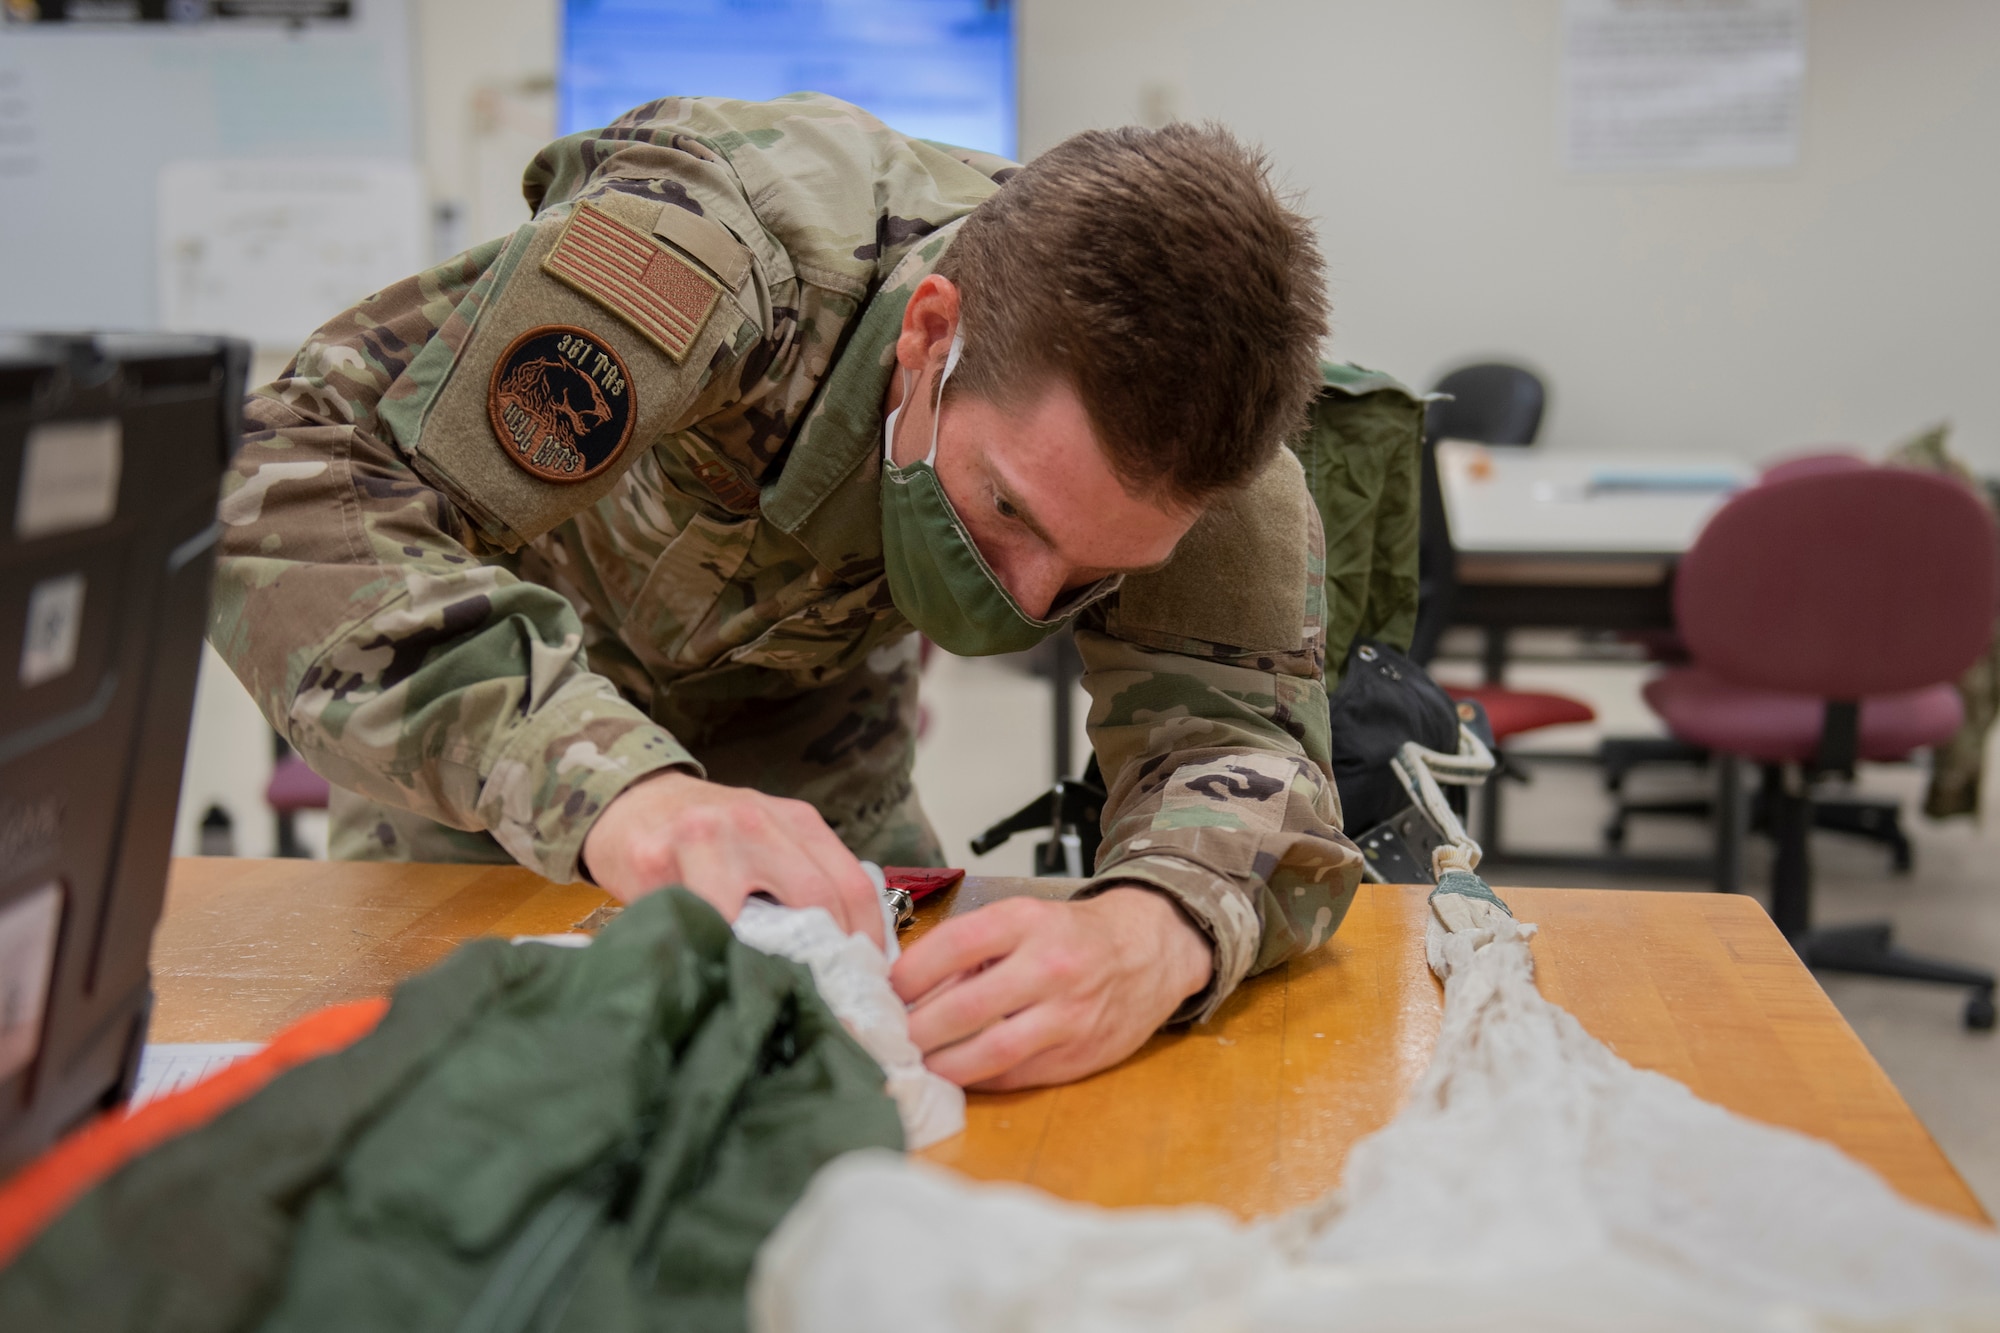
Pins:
x: 1811, y: 465
x: 1842, y: 584
x: 1493, y: 403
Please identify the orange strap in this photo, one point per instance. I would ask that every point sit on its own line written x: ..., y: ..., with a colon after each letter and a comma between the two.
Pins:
x: 41, y: 1191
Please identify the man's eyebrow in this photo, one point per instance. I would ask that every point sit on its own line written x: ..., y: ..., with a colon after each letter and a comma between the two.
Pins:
x: 1021, y: 510
x: 1029, y: 521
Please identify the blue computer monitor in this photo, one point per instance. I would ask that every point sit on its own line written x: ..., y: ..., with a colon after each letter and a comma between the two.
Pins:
x: 935, y: 69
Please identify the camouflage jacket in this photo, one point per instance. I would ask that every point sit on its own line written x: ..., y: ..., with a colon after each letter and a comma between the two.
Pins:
x: 517, y: 531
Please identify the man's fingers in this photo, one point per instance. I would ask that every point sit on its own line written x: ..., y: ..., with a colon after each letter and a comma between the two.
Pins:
x: 855, y: 905
x: 1004, y: 1046
x: 709, y: 870
x: 1061, y: 1062
x: 952, y: 1013
x: 960, y: 945
x: 751, y: 847
x: 724, y: 843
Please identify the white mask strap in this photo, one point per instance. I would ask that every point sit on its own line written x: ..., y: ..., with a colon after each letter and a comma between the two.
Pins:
x: 889, y: 424
x: 950, y: 364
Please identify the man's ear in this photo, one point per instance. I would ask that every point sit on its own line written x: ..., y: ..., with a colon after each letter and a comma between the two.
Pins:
x: 929, y: 320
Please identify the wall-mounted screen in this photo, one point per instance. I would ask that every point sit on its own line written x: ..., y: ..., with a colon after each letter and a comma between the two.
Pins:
x: 935, y: 69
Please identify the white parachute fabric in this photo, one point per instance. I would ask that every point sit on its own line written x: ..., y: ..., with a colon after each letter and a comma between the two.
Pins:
x: 852, y: 976
x: 1534, y: 1181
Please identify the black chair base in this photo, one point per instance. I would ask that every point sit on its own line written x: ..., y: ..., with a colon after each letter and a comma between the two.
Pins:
x: 1722, y: 868
x: 1619, y: 755
x: 1869, y: 951
x: 1862, y: 949
x: 1876, y: 820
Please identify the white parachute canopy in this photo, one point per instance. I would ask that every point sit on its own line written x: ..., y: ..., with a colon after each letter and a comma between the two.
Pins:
x: 1535, y: 1181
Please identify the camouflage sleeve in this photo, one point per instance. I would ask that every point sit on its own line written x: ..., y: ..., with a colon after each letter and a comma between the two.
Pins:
x: 1209, y: 719
x: 353, y: 601
x: 995, y: 168
x: 366, y: 595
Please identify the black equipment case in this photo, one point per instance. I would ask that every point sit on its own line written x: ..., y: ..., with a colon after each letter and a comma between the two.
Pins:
x: 111, y: 451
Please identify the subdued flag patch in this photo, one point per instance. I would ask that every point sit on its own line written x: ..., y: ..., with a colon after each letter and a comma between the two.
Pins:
x: 634, y: 277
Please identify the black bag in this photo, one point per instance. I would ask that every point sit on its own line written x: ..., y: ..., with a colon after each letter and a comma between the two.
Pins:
x: 1383, y: 699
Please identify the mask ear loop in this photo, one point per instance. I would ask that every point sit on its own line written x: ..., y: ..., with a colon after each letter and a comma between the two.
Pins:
x: 889, y: 425
x: 937, y: 408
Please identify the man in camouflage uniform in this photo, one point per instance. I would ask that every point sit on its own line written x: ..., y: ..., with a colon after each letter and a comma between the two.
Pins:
x: 578, y: 549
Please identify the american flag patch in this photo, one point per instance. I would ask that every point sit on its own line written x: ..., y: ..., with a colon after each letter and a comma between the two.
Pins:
x: 635, y: 278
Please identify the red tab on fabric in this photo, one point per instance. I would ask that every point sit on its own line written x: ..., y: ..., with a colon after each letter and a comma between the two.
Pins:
x: 920, y: 882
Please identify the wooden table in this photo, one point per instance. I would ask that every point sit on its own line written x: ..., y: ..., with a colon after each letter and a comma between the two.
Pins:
x: 1254, y: 1111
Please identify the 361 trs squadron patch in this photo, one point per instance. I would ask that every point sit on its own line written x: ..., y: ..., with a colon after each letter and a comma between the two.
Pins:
x: 561, y: 403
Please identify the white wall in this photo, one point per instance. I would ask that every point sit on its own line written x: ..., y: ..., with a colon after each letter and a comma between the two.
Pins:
x: 228, y: 763
x: 1850, y: 299
x: 485, y: 87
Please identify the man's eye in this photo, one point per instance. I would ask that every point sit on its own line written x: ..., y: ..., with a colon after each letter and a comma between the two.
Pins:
x: 1005, y: 507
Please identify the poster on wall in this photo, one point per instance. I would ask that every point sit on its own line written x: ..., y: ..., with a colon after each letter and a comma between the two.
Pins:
x: 1682, y: 85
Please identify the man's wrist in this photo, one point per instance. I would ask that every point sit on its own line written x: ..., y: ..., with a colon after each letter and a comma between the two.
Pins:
x: 1188, y: 955
x: 653, y: 776
x: 1219, y: 907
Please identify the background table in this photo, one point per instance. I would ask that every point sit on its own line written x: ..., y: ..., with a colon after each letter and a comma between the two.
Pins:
x: 1541, y: 545
x: 1254, y: 1111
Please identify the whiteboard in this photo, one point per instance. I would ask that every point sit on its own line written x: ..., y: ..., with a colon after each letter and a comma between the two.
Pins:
x: 91, y: 116
x: 269, y: 250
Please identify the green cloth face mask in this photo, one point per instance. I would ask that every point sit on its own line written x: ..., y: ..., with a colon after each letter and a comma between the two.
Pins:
x: 936, y: 574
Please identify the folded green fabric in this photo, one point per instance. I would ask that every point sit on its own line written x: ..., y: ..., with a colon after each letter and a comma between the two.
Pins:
x: 534, y: 1138
x: 1362, y: 452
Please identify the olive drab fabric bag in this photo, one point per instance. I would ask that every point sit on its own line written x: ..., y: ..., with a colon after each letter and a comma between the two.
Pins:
x: 1362, y: 451
x: 534, y: 1138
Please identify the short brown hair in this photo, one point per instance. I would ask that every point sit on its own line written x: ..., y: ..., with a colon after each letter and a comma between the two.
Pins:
x: 1159, y: 274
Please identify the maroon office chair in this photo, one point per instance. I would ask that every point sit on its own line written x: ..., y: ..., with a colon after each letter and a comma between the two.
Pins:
x: 1827, y: 615
x: 1877, y: 820
x: 1513, y: 712
x: 1817, y: 463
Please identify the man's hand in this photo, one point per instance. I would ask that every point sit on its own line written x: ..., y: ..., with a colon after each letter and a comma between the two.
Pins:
x: 1026, y: 992
x: 724, y: 844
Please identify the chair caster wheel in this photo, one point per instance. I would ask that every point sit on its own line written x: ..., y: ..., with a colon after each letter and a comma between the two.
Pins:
x: 1979, y: 1012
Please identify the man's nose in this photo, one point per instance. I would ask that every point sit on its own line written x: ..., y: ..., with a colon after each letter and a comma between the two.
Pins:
x: 1035, y: 582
